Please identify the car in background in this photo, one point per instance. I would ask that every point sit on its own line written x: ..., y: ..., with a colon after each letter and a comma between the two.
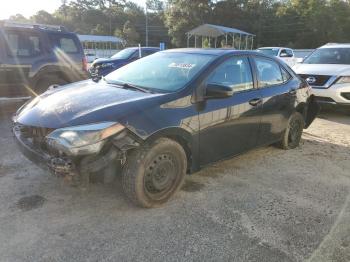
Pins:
x: 163, y: 116
x: 104, y: 66
x: 35, y: 56
x: 283, y: 53
x: 327, y: 70
x: 301, y: 54
x: 90, y: 57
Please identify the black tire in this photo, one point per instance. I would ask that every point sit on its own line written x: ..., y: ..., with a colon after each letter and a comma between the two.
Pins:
x: 44, y: 83
x: 293, y: 132
x: 152, y: 174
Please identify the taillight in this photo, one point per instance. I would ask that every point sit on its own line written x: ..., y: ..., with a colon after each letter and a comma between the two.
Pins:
x: 85, y: 66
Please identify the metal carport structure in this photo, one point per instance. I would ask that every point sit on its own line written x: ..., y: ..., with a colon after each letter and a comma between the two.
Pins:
x: 105, y: 44
x: 216, y: 31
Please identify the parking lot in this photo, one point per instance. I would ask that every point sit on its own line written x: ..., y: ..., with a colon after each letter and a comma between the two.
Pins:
x: 266, y: 205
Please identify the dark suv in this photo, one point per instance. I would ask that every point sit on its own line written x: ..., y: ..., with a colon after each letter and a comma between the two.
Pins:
x: 34, y: 57
x: 103, y: 66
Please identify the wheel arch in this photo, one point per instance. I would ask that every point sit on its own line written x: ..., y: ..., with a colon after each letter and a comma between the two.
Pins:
x: 181, y: 136
x: 308, y: 110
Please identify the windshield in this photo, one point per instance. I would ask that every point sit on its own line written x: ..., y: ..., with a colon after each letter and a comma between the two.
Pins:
x: 269, y: 51
x: 124, y: 54
x: 165, y: 72
x: 329, y: 56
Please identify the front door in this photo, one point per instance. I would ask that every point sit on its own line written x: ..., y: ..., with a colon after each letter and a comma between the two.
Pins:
x: 230, y: 125
x: 23, y: 49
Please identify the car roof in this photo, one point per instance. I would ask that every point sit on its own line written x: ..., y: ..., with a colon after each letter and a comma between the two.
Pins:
x: 143, y: 48
x: 336, y: 45
x: 210, y: 51
x: 274, y: 47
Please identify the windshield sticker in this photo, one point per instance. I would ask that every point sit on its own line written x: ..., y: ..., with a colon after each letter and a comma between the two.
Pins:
x: 182, y: 65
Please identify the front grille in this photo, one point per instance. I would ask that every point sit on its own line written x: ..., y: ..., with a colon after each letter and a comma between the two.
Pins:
x: 320, y: 80
x: 35, y: 135
x: 346, y: 95
x: 34, y: 132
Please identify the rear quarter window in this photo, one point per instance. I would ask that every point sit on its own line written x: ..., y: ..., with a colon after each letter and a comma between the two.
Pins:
x: 66, y: 43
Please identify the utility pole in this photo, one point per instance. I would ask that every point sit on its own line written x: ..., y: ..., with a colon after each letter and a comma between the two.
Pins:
x: 146, y: 26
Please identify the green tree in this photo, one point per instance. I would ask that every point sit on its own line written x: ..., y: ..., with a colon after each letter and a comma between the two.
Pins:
x: 43, y: 17
x: 130, y: 35
x: 182, y: 15
x: 18, y: 18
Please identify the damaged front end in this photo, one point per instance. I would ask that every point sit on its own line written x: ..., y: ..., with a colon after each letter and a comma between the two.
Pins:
x: 76, y: 152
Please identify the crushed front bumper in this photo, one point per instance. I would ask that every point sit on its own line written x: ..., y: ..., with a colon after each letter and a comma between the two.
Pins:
x: 56, y: 165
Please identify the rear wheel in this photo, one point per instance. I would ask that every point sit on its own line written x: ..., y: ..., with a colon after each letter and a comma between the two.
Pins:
x: 153, y: 174
x: 293, y: 132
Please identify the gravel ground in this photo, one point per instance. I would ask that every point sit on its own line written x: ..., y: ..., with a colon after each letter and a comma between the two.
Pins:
x: 266, y: 205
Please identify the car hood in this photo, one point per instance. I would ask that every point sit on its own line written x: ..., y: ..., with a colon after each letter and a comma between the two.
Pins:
x: 107, y: 60
x: 322, y: 69
x: 82, y: 103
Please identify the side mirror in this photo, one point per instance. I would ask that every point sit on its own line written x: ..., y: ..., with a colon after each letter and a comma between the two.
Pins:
x: 218, y: 91
x: 284, y: 55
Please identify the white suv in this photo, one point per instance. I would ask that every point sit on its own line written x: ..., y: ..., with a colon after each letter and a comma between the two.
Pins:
x: 327, y: 70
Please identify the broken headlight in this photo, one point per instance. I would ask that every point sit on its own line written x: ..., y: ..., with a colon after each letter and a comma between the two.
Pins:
x: 84, y: 139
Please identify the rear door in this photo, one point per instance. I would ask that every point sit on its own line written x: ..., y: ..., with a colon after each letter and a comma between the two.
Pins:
x: 278, y: 90
x: 231, y: 125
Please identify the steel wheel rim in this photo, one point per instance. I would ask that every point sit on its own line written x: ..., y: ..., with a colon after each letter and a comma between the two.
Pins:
x: 161, y: 176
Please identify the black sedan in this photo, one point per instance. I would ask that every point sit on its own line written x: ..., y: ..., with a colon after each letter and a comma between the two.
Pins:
x: 163, y: 116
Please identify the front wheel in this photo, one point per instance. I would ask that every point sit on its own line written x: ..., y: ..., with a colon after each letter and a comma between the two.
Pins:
x: 293, y: 132
x: 153, y: 174
x: 46, y: 82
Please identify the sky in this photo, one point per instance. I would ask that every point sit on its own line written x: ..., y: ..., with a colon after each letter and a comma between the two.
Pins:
x: 30, y: 7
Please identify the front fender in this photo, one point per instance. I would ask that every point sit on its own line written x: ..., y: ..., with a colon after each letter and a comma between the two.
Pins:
x: 190, y: 143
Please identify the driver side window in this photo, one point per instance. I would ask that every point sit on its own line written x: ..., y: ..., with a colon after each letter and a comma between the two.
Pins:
x: 235, y: 72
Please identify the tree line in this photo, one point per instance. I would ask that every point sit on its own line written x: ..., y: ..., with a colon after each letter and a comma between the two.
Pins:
x: 292, y: 23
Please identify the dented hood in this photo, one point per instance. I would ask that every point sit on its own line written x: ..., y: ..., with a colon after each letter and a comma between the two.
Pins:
x: 83, y: 103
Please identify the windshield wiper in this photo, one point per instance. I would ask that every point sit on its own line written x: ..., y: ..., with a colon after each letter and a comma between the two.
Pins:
x: 127, y: 86
x: 130, y: 86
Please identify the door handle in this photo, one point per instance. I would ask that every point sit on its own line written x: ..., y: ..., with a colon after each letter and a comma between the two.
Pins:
x: 292, y: 92
x: 255, y: 101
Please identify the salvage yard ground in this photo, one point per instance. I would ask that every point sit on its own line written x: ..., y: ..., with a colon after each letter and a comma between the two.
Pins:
x: 266, y: 205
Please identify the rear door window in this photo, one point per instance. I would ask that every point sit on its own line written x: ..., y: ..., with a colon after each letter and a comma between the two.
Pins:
x: 289, y: 52
x: 269, y: 72
x: 23, y: 44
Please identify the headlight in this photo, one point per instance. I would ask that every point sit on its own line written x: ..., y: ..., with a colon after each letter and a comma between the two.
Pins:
x: 107, y: 65
x: 343, y: 80
x: 84, y: 139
